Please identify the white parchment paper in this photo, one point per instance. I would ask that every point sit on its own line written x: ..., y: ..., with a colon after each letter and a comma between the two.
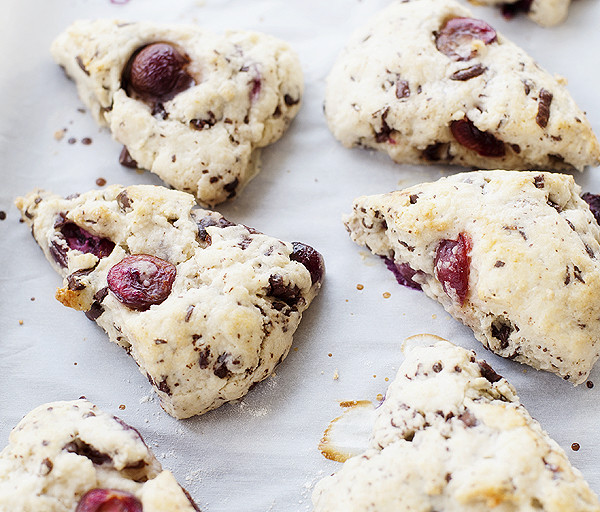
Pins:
x: 259, y: 454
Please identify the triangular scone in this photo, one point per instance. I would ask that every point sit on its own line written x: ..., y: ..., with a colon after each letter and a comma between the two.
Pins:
x: 426, y: 83
x: 544, y: 12
x: 512, y: 254
x: 452, y: 436
x: 207, y: 308
x: 67, y: 456
x: 193, y: 109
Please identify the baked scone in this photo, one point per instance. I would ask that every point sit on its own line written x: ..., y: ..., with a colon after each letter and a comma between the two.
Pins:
x: 452, y: 435
x: 546, y: 13
x: 71, y: 456
x: 191, y: 106
x: 512, y: 254
x: 207, y: 308
x: 426, y: 83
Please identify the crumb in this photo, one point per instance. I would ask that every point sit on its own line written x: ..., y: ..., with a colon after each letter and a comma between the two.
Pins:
x: 433, y: 317
x: 122, y: 407
x: 379, y: 397
x: 387, y: 379
x: 100, y: 182
x: 374, y: 376
x: 336, y: 375
x: 360, y: 287
x: 387, y: 295
x: 575, y: 447
x: 72, y: 140
x: 330, y: 354
x: 295, y: 349
x: 81, y: 110
x: 2, y: 215
x: 86, y: 141
x: 74, y: 364
x: 589, y: 384
x: 20, y: 322
x: 59, y: 134
x: 32, y: 299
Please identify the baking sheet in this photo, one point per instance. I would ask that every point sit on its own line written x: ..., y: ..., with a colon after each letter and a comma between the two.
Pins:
x: 260, y: 453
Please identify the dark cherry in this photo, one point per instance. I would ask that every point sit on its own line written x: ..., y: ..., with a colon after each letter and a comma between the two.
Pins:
x: 455, y: 38
x: 471, y: 137
x: 108, y: 500
x: 452, y: 264
x: 403, y: 272
x: 79, y: 239
x: 158, y: 71
x: 310, y: 258
x: 593, y: 201
x: 141, y: 280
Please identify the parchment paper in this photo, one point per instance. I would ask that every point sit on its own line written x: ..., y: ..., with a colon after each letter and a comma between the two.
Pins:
x: 260, y: 453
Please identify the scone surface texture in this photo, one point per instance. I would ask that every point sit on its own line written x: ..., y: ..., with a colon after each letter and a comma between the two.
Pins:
x: 452, y: 435
x: 201, y: 133
x: 62, y: 450
x: 512, y: 254
x: 207, y: 308
x: 426, y: 83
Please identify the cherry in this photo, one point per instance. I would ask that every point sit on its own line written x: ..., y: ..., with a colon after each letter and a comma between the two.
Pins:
x: 108, y: 500
x: 452, y: 264
x: 140, y: 281
x: 310, y: 258
x: 157, y: 71
x: 456, y: 36
x: 471, y: 137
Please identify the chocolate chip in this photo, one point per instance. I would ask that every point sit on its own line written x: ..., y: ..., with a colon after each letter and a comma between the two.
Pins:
x: 126, y: 160
x: 468, y: 418
x: 538, y: 181
x: 543, y: 114
x: 501, y: 329
x: 81, y: 65
x: 84, y: 449
x: 402, y: 89
x: 468, y: 73
x: 289, y: 101
x: 488, y: 372
x: 201, y: 124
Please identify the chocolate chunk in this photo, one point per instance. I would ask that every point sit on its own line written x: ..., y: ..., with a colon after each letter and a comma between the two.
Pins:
x: 543, y: 114
x: 402, y: 89
x: 468, y: 73
x: 126, y: 160
x: 488, y: 372
x: 85, y: 450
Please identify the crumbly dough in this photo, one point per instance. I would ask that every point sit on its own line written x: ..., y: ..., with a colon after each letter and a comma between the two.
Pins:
x: 392, y: 90
x: 546, y: 13
x: 205, y: 140
x: 237, y: 298
x: 452, y: 435
x: 533, y: 272
x: 61, y: 450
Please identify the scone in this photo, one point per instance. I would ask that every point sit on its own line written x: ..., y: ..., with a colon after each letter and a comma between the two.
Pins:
x: 452, y: 435
x: 426, y: 83
x: 512, y: 254
x: 73, y: 457
x: 207, y: 308
x: 544, y: 12
x: 191, y: 106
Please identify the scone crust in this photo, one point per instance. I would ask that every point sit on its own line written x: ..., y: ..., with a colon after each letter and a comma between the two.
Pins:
x: 452, y: 435
x: 236, y: 301
x: 392, y: 90
x: 61, y: 450
x: 248, y: 88
x: 534, y: 277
